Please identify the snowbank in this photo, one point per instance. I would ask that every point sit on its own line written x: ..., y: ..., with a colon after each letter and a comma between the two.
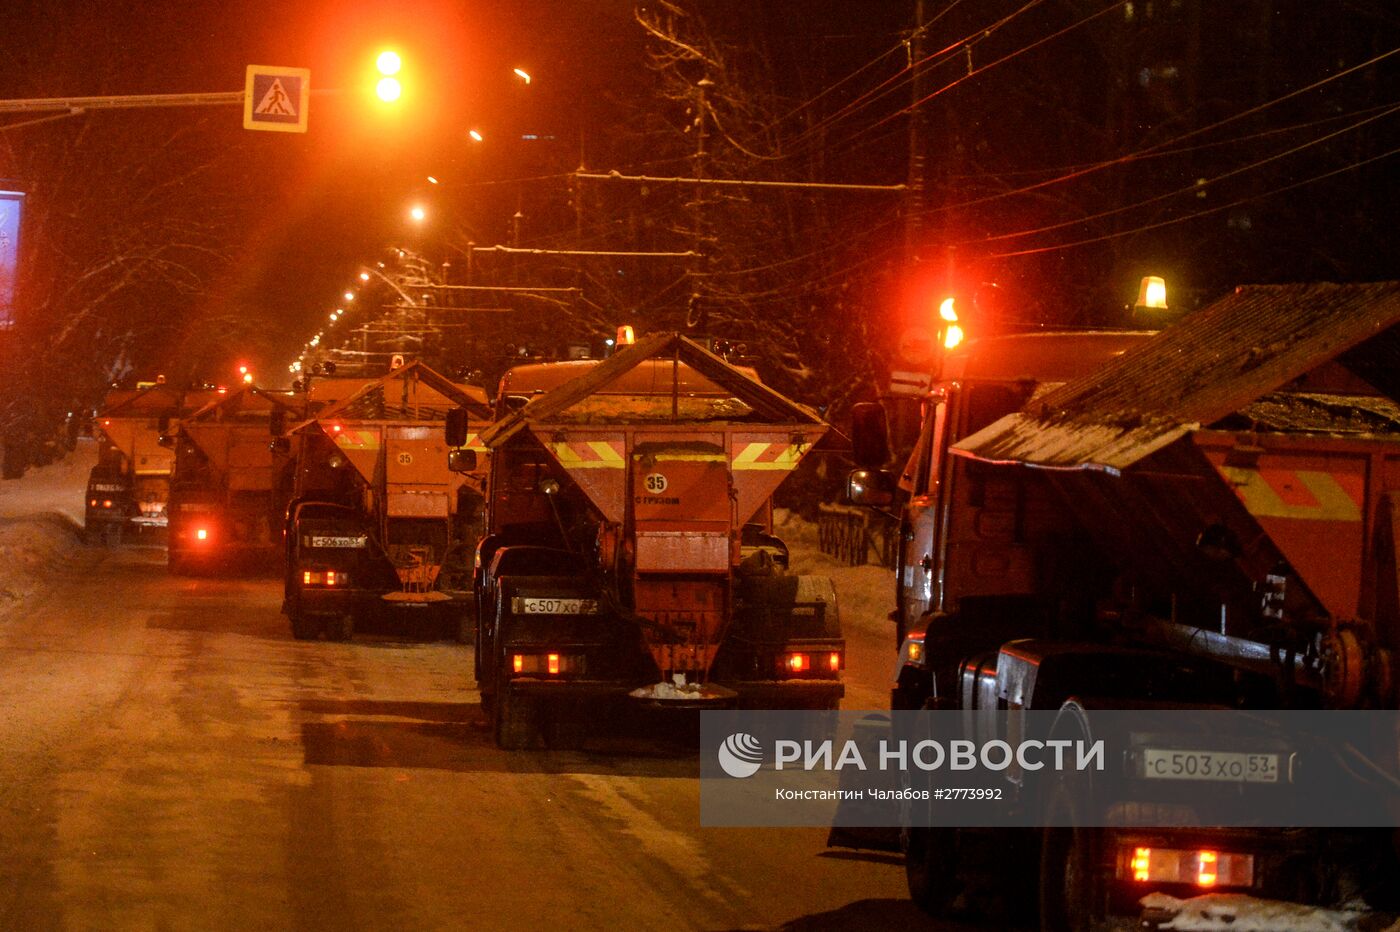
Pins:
x: 31, y: 551
x: 55, y: 489
x: 41, y: 516
x: 1238, y: 913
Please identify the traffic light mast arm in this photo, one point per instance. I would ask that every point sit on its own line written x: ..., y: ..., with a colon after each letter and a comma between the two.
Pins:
x: 131, y: 101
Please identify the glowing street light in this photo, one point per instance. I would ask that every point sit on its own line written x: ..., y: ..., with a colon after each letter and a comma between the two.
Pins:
x: 364, y: 277
x: 475, y: 135
x: 522, y: 75
x: 418, y: 213
x: 349, y: 296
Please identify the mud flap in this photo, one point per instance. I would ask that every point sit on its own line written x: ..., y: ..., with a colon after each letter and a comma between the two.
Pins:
x: 846, y: 832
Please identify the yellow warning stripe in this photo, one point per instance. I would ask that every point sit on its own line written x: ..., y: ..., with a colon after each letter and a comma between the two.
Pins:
x: 690, y: 458
x: 787, y: 459
x: 569, y: 457
x: 1261, y: 499
x: 350, y: 438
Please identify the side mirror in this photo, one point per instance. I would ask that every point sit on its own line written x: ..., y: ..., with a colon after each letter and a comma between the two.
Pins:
x: 461, y: 460
x: 457, y: 427
x: 163, y: 425
x: 280, y: 446
x: 870, y: 439
x: 277, y: 423
x: 873, y: 488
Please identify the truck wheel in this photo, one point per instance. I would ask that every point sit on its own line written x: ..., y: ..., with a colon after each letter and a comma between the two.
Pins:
x: 1073, y: 891
x: 516, y: 721
x: 931, y: 868
x: 304, y: 628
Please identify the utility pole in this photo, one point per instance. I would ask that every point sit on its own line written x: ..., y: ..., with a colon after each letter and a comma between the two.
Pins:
x: 918, y: 132
x: 695, y: 316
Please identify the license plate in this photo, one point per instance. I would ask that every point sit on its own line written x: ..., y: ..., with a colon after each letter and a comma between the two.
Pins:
x: 354, y: 543
x: 537, y: 606
x: 1227, y: 766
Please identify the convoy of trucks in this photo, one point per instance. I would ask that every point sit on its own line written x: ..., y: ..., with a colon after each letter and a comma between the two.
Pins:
x: 1202, y: 518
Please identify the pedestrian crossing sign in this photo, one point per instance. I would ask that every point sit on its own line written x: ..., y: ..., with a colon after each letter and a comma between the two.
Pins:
x: 275, y: 98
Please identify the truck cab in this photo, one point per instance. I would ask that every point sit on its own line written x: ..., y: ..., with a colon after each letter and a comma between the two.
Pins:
x: 962, y: 533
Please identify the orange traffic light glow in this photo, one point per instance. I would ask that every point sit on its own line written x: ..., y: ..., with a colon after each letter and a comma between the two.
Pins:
x: 388, y: 89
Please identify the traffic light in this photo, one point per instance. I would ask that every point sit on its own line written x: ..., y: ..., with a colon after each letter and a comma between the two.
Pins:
x: 949, y: 327
x: 388, y: 88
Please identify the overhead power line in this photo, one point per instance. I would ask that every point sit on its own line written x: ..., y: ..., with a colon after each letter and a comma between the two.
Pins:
x: 521, y: 251
x: 1200, y: 213
x: 740, y: 183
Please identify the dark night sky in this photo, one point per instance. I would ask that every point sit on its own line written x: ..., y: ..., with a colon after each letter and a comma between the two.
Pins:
x: 313, y: 207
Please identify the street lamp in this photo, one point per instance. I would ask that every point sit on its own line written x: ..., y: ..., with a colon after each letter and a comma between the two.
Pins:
x: 418, y: 213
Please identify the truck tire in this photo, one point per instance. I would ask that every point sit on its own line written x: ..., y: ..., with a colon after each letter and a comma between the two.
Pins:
x: 1073, y: 889
x: 516, y: 721
x: 931, y: 868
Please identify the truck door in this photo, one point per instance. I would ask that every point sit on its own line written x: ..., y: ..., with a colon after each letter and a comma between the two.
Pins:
x: 919, y: 526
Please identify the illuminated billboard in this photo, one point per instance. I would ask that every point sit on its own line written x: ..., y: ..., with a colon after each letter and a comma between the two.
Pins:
x: 11, y: 207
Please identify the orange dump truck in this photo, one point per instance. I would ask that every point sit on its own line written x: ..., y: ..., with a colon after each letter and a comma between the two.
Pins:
x: 629, y: 549
x: 130, y: 485
x: 378, y: 525
x: 1208, y: 517
x: 222, y: 510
